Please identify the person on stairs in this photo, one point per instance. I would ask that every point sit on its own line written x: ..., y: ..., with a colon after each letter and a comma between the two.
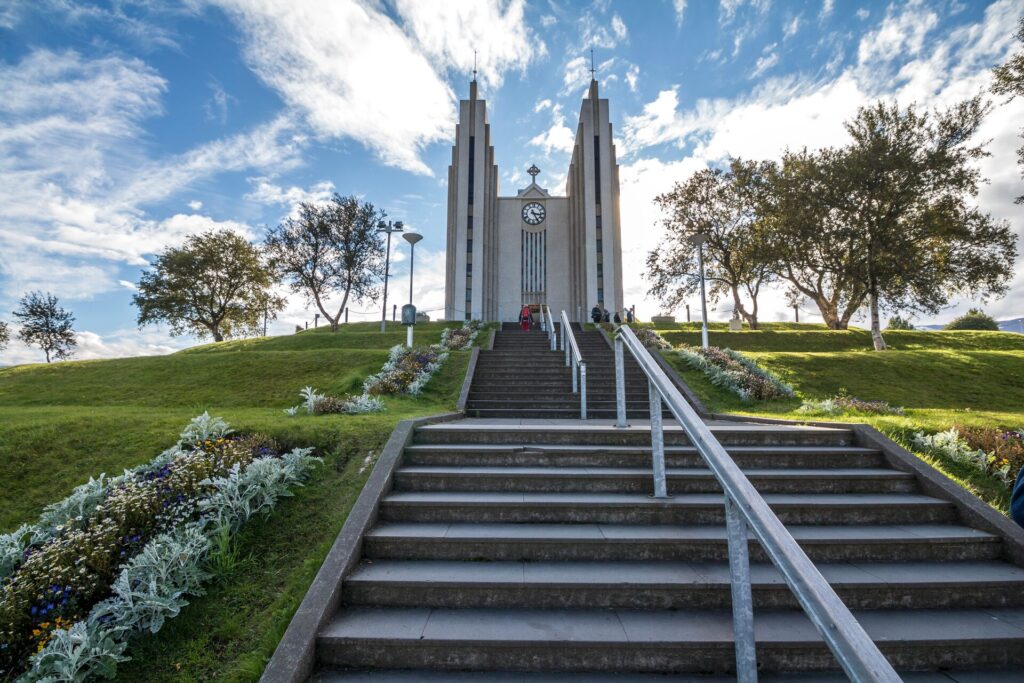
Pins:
x: 525, y: 318
x: 1017, y: 500
x: 629, y: 315
x: 617, y: 319
x: 607, y: 316
x: 595, y: 314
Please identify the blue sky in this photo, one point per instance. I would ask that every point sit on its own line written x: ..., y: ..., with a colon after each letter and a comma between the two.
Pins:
x: 126, y: 126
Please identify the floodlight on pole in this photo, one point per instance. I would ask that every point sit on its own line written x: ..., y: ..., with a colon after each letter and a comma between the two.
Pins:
x: 412, y: 238
x: 698, y: 241
x: 388, y: 228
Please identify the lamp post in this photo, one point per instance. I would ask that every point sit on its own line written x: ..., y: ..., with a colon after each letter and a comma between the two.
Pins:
x: 698, y: 241
x: 388, y: 228
x: 412, y: 238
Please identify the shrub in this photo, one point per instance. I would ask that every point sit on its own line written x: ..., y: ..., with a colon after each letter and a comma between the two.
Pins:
x: 459, y: 338
x: 897, y: 322
x: 315, y: 403
x: 407, y: 371
x: 949, y: 444
x: 736, y: 373
x: 844, y: 403
x: 650, y: 338
x: 974, y: 319
x: 87, y: 550
x: 1005, y: 446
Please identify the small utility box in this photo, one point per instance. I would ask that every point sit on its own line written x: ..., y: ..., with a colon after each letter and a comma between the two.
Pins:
x: 735, y: 325
x: 408, y: 314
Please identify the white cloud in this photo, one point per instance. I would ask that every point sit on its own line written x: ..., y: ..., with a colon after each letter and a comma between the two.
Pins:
x: 827, y: 7
x: 541, y: 106
x: 559, y: 137
x: 863, y: 13
x: 195, y: 205
x: 679, y: 6
x: 266, y: 192
x: 117, y: 344
x: 447, y: 32
x: 632, y: 74
x: 216, y: 108
x: 619, y: 27
x: 596, y: 34
x: 547, y: 21
x: 339, y: 64
x: 128, y: 285
x: 728, y: 9
x: 766, y: 61
x: 577, y: 75
x: 791, y: 27
x: 901, y: 33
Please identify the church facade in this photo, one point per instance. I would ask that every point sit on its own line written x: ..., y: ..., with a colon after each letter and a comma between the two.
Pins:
x: 533, y: 248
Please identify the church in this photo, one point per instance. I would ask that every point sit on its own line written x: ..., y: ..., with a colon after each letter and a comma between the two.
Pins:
x: 533, y: 248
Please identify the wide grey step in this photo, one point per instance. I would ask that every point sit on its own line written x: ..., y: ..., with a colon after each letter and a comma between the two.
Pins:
x: 542, y: 455
x: 674, y: 585
x: 705, y: 543
x: 567, y: 401
x: 606, y: 434
x: 557, y: 413
x: 330, y: 675
x: 637, y: 508
x: 655, y: 641
x: 639, y: 479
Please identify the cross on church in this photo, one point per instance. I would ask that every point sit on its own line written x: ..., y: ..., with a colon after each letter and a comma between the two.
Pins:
x: 533, y: 171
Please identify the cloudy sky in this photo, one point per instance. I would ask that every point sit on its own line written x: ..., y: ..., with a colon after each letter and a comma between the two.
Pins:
x: 126, y: 126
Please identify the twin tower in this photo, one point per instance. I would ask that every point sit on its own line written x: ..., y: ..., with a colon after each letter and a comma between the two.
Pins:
x: 533, y: 248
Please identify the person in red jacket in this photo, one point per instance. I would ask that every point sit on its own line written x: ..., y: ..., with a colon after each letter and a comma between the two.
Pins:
x: 525, y: 318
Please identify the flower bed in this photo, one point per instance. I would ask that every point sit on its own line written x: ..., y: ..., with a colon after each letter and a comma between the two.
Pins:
x: 733, y: 372
x: 842, y: 403
x: 459, y: 338
x: 407, y: 371
x: 651, y: 339
x: 120, y: 555
x: 315, y: 403
x: 1001, y: 454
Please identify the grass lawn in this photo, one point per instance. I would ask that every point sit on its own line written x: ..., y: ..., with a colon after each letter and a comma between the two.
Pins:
x: 65, y: 422
x: 940, y: 378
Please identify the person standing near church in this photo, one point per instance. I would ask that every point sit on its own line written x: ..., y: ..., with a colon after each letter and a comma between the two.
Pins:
x: 525, y: 318
x: 629, y: 315
x: 595, y: 314
x: 607, y: 316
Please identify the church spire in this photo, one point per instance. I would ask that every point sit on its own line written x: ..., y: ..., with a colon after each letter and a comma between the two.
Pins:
x: 472, y: 83
x: 593, y: 77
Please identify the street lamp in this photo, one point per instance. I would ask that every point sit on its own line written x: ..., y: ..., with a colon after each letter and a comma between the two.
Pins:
x: 698, y: 241
x: 388, y: 228
x: 412, y: 238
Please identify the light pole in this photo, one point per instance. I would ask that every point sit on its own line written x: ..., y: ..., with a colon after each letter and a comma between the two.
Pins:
x: 412, y: 238
x: 698, y: 241
x: 388, y: 228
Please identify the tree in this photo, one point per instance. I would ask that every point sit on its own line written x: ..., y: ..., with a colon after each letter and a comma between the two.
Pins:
x: 720, y: 205
x: 329, y: 249
x: 1009, y: 80
x: 974, y: 319
x: 901, y: 190
x: 803, y: 240
x: 898, y: 322
x: 47, y: 325
x: 5, y: 335
x: 216, y: 285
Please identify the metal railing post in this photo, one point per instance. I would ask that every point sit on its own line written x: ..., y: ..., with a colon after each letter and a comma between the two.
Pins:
x: 575, y: 384
x: 583, y: 391
x: 565, y: 344
x: 657, y: 442
x: 742, y: 600
x: 620, y: 385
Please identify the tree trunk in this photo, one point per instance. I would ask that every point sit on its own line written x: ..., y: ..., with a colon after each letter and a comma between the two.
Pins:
x: 336, y: 320
x: 829, y: 313
x: 876, y: 327
x: 47, y: 352
x: 217, y: 336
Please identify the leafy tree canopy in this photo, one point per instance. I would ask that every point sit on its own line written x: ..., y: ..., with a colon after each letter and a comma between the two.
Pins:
x: 718, y: 204
x: 5, y: 335
x: 1009, y: 80
x: 44, y: 323
x: 974, y: 319
x: 215, y: 285
x: 329, y: 250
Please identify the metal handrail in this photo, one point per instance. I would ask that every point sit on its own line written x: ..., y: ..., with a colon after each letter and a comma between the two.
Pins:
x: 745, y: 508
x: 548, y: 324
x: 574, y: 359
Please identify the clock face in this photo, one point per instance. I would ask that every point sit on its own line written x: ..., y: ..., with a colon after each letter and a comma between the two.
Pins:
x: 533, y: 213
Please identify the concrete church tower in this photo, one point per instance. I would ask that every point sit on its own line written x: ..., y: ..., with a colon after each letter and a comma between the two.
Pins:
x: 533, y: 248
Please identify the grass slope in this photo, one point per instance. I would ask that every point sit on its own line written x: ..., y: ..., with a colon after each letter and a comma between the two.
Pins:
x: 940, y: 378
x: 65, y: 422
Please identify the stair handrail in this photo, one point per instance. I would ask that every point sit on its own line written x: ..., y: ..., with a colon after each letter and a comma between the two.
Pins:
x: 548, y: 323
x: 858, y: 655
x: 574, y: 359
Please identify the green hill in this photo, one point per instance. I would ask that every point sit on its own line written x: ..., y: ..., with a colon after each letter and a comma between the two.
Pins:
x: 940, y: 378
x: 65, y: 422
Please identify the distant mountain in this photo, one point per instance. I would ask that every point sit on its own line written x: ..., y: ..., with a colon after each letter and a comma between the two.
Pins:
x: 1013, y: 325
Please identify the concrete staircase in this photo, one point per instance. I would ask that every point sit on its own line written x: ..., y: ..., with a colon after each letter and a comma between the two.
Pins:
x: 532, y: 552
x: 522, y: 377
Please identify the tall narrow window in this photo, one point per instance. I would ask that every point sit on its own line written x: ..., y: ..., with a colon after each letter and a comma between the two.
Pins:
x: 597, y: 167
x: 472, y: 165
